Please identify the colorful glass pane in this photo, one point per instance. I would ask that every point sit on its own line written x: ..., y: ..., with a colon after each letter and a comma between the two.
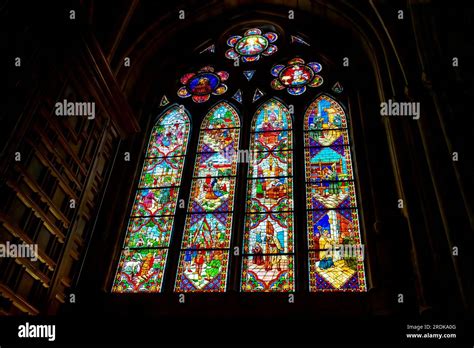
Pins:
x: 209, y: 231
x: 170, y: 137
x: 268, y: 273
x: 252, y: 45
x: 328, y: 163
x: 140, y: 270
x: 249, y: 74
x: 202, y: 270
x: 336, y: 253
x: 161, y: 172
x: 268, y: 264
x: 238, y: 96
x: 272, y: 140
x: 257, y: 95
x: 217, y: 140
x: 344, y: 273
x: 150, y: 202
x: 271, y: 116
x: 270, y: 194
x: 270, y: 233
x: 270, y: 164
x: 330, y: 194
x: 145, y: 248
x: 212, y: 194
x: 296, y: 76
x: 221, y: 116
x: 325, y: 113
x: 154, y: 231
x: 215, y: 164
x: 326, y: 137
x: 206, y: 239
x: 202, y: 84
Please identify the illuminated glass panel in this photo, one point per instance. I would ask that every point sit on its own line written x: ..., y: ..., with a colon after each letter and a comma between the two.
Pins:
x: 252, y: 45
x: 204, y: 256
x: 335, y: 249
x: 143, y: 257
x: 268, y: 261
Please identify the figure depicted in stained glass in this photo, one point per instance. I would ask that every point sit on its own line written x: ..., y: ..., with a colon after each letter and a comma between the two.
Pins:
x: 140, y: 271
x: 143, y: 258
x: 212, y: 194
x: 206, y: 240
x: 252, y: 45
x: 202, y: 270
x: 332, y: 219
x: 167, y: 139
x: 202, y: 84
x: 296, y: 76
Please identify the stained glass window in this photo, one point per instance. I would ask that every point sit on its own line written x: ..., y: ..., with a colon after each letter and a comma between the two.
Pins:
x: 335, y: 253
x: 145, y: 250
x: 252, y: 45
x: 204, y: 255
x: 296, y: 76
x: 199, y: 86
x: 268, y: 257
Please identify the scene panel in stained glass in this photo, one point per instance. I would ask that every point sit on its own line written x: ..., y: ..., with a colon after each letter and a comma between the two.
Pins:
x: 270, y: 194
x: 150, y: 202
x: 330, y: 194
x: 215, y: 164
x: 331, y: 227
x: 271, y: 164
x: 149, y: 232
x: 223, y: 115
x: 328, y: 163
x: 212, y: 194
x: 219, y: 140
x: 325, y: 113
x: 272, y: 141
x: 202, y: 271
x: 335, y: 137
x: 268, y: 233
x: 161, y: 172
x: 336, y: 271
x: 207, y: 231
x: 140, y: 270
x: 268, y: 273
x: 271, y: 116
x: 168, y: 140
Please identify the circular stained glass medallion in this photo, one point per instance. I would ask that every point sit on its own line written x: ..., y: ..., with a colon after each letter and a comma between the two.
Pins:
x: 251, y: 45
x: 296, y: 75
x: 204, y: 83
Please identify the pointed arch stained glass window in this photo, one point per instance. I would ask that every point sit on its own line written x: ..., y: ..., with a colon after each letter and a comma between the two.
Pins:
x: 205, y: 247
x: 332, y: 213
x: 145, y: 249
x: 268, y: 260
